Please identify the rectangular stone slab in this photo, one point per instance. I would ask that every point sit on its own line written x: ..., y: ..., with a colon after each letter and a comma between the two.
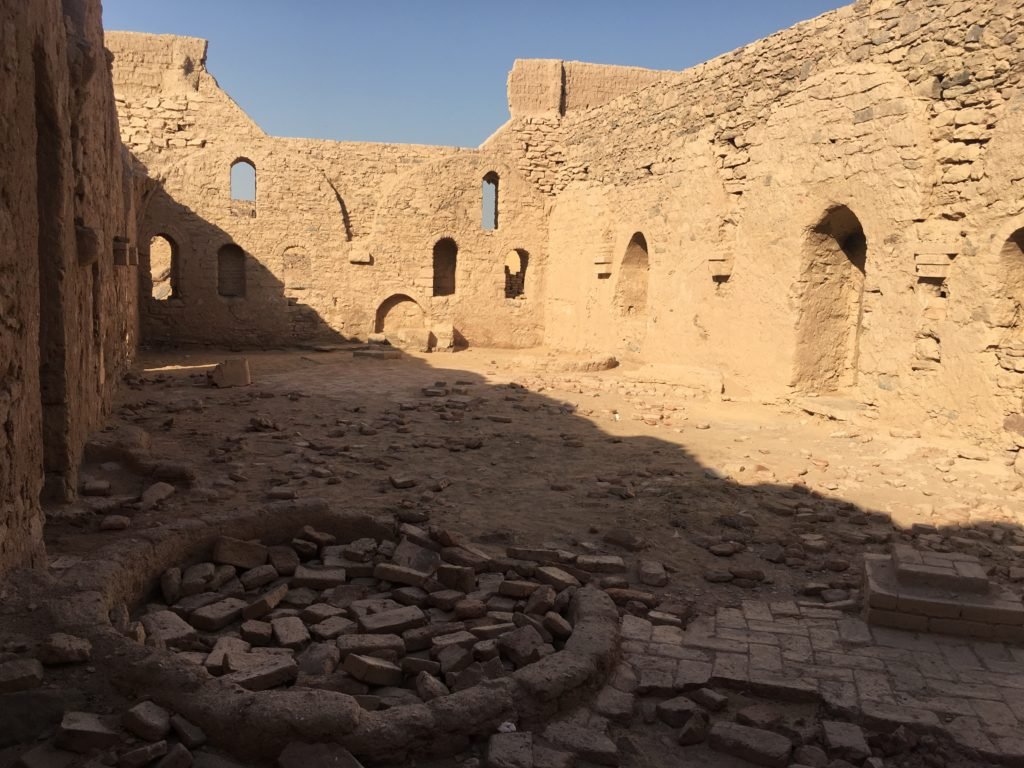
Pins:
x: 394, y: 621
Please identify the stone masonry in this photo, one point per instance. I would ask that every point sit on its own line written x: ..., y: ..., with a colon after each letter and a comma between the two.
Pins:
x: 830, y: 210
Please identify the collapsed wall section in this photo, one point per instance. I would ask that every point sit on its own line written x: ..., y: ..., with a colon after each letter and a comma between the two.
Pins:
x: 67, y: 293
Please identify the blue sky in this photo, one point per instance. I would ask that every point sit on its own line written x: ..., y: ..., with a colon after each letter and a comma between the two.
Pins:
x: 433, y: 71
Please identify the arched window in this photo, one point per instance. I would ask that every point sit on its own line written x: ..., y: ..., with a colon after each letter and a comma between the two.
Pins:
x: 243, y: 180
x: 515, y: 273
x: 231, y: 271
x: 489, y: 206
x: 163, y: 267
x: 445, y: 256
x: 631, y: 290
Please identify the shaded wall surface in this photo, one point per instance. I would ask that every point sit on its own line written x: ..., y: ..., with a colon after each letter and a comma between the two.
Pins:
x: 67, y: 285
x: 835, y: 209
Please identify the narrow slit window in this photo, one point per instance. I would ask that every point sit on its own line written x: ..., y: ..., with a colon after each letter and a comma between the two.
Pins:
x: 489, y: 196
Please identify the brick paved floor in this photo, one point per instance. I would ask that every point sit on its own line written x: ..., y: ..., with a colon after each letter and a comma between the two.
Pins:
x: 971, y: 690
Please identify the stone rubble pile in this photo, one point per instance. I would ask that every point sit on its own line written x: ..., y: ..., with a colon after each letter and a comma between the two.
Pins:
x: 387, y: 622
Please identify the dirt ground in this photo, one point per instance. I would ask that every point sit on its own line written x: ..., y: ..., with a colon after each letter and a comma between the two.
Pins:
x: 509, y: 451
x: 740, y: 500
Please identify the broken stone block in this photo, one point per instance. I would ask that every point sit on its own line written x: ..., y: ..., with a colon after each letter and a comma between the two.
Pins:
x: 709, y: 699
x: 290, y: 632
x: 556, y: 577
x: 265, y: 603
x: 258, y: 577
x: 215, y: 662
x: 759, y: 716
x: 168, y: 628
x: 215, y: 616
x: 754, y: 745
x: 517, y: 589
x: 319, y: 659
x: 266, y: 672
x: 257, y: 632
x: 429, y: 687
x: 510, y: 750
x: 521, y: 646
x: 621, y: 537
x: 284, y: 559
x: 156, y: 493
x: 241, y: 554
x: 83, y: 732
x: 694, y: 730
x: 397, y: 574
x: 394, y: 621
x: 196, y: 578
x: 371, y: 645
x: 556, y: 624
x: 373, y: 671
x: 192, y: 736
x: 233, y: 372
x: 454, y: 658
x: 845, y: 741
x: 20, y: 675
x: 141, y: 756
x: 652, y: 573
x: 332, y: 628
x: 676, y: 712
x: 148, y: 721
x: 318, y: 578
x: 177, y: 756
x: 614, y: 704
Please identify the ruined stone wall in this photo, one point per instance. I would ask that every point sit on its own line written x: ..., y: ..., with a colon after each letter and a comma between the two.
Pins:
x: 67, y: 287
x: 907, y: 114
x: 338, y: 230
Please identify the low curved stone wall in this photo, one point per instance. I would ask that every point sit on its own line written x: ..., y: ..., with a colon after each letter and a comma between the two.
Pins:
x: 126, y: 571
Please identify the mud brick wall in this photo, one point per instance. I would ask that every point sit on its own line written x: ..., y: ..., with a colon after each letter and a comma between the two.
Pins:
x: 68, y: 322
x: 837, y: 209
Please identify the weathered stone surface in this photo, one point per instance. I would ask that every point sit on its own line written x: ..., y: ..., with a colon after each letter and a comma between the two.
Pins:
x: 265, y: 603
x: 290, y: 632
x: 140, y: 756
x: 148, y: 721
x: 83, y: 732
x: 304, y: 755
x: 20, y: 675
x: 192, y: 736
x: 429, y: 687
x: 845, y: 740
x: 510, y: 750
x: 371, y: 645
x: 217, y: 615
x: 588, y: 743
x: 266, y: 672
x: 177, y: 756
x: 372, y: 670
x: 242, y: 554
x: 61, y: 648
x: 394, y: 621
x: 752, y: 744
x: 317, y: 577
x: 521, y: 646
x: 677, y: 712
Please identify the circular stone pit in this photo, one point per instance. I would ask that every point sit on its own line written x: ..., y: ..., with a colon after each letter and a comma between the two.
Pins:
x: 386, y: 638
